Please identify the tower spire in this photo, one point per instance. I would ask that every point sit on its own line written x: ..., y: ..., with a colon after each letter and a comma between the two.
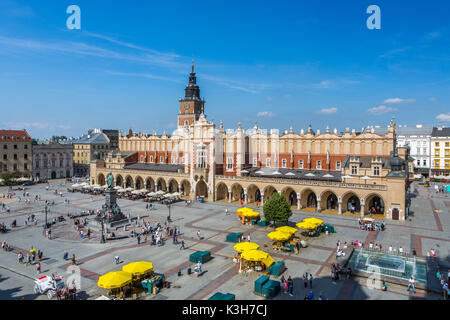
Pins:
x: 192, y: 65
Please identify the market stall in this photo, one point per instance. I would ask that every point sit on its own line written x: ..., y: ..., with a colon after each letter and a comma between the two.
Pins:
x: 118, y: 282
x: 241, y: 247
x: 280, y: 239
x: 255, y: 260
x: 248, y: 215
x: 294, y: 243
x: 310, y: 228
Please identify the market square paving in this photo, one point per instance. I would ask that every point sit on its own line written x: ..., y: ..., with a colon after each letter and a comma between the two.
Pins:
x: 426, y: 227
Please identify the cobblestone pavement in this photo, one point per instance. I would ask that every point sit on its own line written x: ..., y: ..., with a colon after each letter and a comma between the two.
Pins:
x: 426, y: 227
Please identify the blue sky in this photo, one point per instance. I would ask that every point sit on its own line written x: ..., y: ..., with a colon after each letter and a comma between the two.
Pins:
x: 281, y: 63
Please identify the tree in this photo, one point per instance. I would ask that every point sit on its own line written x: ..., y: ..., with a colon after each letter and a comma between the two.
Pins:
x: 8, y: 179
x: 277, y: 208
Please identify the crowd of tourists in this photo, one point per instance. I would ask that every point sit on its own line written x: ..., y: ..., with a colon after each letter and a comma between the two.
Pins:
x: 371, y: 225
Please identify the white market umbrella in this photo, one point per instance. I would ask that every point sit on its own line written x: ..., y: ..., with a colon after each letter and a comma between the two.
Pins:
x: 244, y: 171
x: 310, y: 175
x: 117, y: 187
x: 276, y: 172
x: 328, y: 176
x: 129, y: 189
x: 259, y: 172
x: 151, y: 194
x: 160, y: 192
x: 290, y: 174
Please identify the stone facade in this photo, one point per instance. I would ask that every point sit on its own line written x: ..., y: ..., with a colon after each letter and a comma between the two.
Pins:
x: 199, y: 159
x: 15, y: 153
x: 52, y: 161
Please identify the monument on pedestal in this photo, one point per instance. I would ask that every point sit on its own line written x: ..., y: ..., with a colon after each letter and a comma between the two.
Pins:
x: 110, y: 217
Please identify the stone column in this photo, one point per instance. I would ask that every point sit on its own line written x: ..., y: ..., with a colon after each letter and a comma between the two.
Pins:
x: 361, y: 201
x: 229, y: 195
x: 245, y: 196
x: 318, y: 205
x: 339, y: 205
x: 298, y: 201
x: 262, y: 199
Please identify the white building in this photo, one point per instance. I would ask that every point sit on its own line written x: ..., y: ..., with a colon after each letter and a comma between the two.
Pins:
x: 418, y: 138
x: 52, y: 160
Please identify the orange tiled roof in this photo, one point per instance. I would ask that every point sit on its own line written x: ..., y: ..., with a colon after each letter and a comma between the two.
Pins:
x: 6, y: 135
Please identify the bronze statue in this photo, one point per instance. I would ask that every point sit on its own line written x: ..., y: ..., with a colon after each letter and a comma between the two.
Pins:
x: 110, y: 180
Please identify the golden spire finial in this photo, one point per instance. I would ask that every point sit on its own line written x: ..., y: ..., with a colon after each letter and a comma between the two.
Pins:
x: 192, y: 65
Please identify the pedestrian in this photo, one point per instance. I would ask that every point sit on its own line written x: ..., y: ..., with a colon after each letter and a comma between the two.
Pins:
x: 310, y: 280
x: 290, y: 286
x: 285, y: 286
x: 333, y: 277
x: 74, y: 263
x: 305, y: 279
x: 66, y: 255
x: 138, y: 239
x: 117, y: 259
x: 38, y: 268
x: 226, y: 211
x: 310, y: 295
x: 248, y: 237
x: 182, y: 245
x: 198, y: 235
x: 412, y: 284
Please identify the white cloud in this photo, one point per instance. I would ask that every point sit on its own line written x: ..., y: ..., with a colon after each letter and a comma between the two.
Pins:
x: 399, y: 100
x: 444, y: 117
x: 380, y: 110
x: 26, y: 125
x: 324, y: 84
x: 265, y: 114
x: 328, y: 111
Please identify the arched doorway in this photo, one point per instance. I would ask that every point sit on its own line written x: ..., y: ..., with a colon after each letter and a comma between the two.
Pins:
x: 173, y: 186
x: 129, y: 182
x: 375, y: 202
x: 119, y: 181
x: 161, y: 184
x: 291, y: 196
x: 185, y: 188
x: 201, y: 189
x: 139, y: 184
x: 221, y: 192
x: 149, y: 184
x: 53, y: 175
x: 253, y: 194
x: 351, y: 203
x: 329, y: 201
x: 268, y: 192
x: 308, y: 199
x: 237, y: 192
x: 101, y: 179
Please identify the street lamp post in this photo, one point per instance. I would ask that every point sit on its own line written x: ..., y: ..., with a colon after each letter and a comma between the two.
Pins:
x: 46, y: 211
x: 102, y: 240
x: 169, y: 218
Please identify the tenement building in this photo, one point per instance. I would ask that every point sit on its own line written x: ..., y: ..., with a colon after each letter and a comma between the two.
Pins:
x: 440, y: 143
x: 52, y: 160
x: 15, y: 153
x: 327, y: 171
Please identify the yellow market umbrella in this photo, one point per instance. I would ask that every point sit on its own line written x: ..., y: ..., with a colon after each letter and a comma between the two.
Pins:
x: 306, y: 225
x: 114, y: 279
x: 259, y: 256
x: 279, y: 236
x: 313, y: 220
x: 243, y: 246
x: 250, y: 214
x: 242, y: 210
x: 287, y: 229
x: 138, y: 268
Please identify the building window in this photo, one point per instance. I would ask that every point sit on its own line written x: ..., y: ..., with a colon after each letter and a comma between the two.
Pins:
x: 283, y: 163
x: 37, y: 164
x: 5, y: 146
x: 161, y: 159
x: 447, y: 164
x: 25, y: 166
x: 319, y: 164
x: 142, y: 158
x: 436, y: 144
x: 255, y: 162
x: 25, y: 156
x: 15, y: 156
x: 436, y: 152
x: 229, y: 163
x: 151, y: 159
x: 418, y: 162
x: 447, y: 144
x: 424, y: 162
x: 300, y: 164
x: 186, y: 123
x: 268, y: 162
x: 173, y: 160
x: 338, y: 165
x: 201, y: 158
x: 447, y: 152
x: 436, y: 163
x: 25, y: 146
x: 424, y: 150
x: 5, y: 156
x: 15, y: 166
x: 376, y: 171
x: 5, y: 167
x: 354, y: 170
x: 418, y: 150
x: 15, y: 146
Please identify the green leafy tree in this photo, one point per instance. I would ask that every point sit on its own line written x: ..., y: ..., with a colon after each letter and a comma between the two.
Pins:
x: 8, y: 180
x: 277, y: 209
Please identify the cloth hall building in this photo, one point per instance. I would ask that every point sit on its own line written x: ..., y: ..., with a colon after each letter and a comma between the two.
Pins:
x: 327, y: 171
